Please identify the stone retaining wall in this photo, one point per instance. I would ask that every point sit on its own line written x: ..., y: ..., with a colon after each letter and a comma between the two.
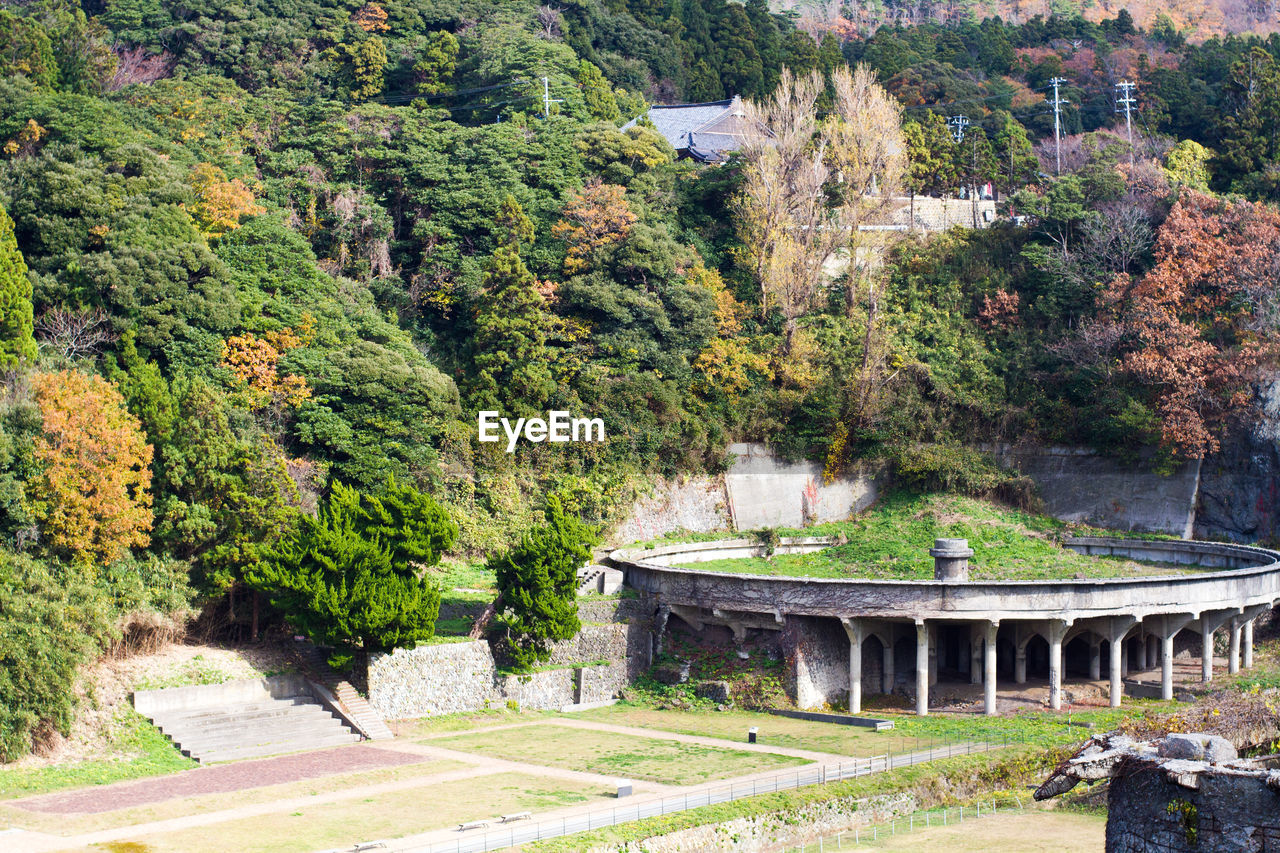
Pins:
x: 448, y: 678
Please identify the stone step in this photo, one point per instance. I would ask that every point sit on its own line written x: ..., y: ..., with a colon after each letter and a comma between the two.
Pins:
x: 232, y: 724
x: 201, y: 745
x: 248, y: 710
x: 276, y: 748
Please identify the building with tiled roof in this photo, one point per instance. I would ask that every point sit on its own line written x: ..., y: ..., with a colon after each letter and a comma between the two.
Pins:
x: 708, y: 133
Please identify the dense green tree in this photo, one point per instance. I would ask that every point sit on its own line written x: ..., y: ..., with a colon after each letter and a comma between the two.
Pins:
x: 347, y: 578
x: 537, y: 582
x: 17, y: 330
x: 512, y: 361
x: 436, y: 63
x: 26, y: 50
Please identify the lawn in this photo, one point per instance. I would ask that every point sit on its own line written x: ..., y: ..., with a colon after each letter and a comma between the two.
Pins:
x: 1030, y: 831
x: 466, y: 587
x: 733, y: 725
x: 387, y: 815
x: 892, y: 541
x: 624, y: 756
x: 143, y: 749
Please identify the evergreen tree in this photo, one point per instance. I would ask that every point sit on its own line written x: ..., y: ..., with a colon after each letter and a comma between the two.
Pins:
x: 16, y: 324
x: 741, y: 71
x: 599, y: 98
x: 512, y: 361
x: 350, y: 576
x: 538, y: 580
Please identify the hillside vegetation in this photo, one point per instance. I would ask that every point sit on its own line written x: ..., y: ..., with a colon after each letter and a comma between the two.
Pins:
x: 261, y: 267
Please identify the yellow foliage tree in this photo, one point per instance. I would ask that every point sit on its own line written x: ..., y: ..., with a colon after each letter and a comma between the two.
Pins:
x: 91, y: 496
x: 221, y: 204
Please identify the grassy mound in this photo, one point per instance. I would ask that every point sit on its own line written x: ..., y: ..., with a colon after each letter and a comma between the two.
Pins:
x: 891, y: 541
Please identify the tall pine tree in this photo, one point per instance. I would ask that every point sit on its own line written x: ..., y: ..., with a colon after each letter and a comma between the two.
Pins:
x: 17, y: 342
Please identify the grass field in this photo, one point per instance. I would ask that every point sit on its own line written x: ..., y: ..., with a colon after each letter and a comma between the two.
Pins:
x: 387, y: 815
x: 1031, y: 831
x: 143, y: 749
x: 610, y: 754
x: 892, y: 542
x: 733, y: 725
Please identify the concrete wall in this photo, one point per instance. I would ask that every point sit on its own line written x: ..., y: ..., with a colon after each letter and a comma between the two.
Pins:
x: 765, y: 491
x: 1059, y: 599
x: 150, y: 702
x: 817, y: 653
x: 1079, y: 485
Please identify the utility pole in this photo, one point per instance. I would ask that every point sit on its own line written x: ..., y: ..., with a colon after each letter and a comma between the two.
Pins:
x: 958, y: 126
x: 1125, y: 100
x: 547, y: 100
x: 1057, y: 124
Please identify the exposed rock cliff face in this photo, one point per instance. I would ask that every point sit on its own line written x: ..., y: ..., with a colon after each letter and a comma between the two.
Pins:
x: 1240, y: 485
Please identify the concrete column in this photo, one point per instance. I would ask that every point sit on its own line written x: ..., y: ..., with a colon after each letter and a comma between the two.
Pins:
x: 1055, y: 667
x: 1166, y: 667
x: 1095, y: 659
x: 1149, y: 651
x: 922, y: 668
x: 1124, y: 659
x: 1206, y: 653
x: 989, y: 669
x: 1246, y: 647
x: 1020, y: 665
x: 853, y: 627
x: 1117, y: 671
x: 886, y: 673
x: 1233, y: 656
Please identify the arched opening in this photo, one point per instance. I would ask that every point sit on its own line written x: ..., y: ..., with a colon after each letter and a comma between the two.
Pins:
x: 904, y: 655
x: 872, y: 665
x: 1075, y: 657
x: 1038, y: 657
x: 1006, y: 653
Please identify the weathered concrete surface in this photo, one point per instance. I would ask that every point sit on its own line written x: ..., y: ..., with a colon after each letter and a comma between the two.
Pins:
x: 1070, y: 600
x: 765, y: 491
x: 1183, y: 793
x: 1077, y: 484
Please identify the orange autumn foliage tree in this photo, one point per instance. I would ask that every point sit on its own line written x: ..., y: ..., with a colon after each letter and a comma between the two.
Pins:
x: 91, y: 496
x: 1196, y: 327
x: 255, y: 361
x: 596, y: 217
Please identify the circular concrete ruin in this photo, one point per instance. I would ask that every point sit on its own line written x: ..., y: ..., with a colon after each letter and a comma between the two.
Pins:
x: 976, y: 627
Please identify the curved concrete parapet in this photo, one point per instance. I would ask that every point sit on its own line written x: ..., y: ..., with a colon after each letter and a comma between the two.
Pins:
x: 1249, y: 576
x: 978, y: 628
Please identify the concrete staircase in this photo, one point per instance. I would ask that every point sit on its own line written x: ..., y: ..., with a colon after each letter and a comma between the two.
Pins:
x: 243, y: 719
x: 357, y: 710
x: 270, y: 727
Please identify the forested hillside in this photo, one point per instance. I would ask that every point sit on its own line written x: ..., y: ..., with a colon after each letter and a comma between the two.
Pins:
x: 253, y: 252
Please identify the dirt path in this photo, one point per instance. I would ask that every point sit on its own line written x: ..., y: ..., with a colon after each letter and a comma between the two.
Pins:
x: 702, y: 740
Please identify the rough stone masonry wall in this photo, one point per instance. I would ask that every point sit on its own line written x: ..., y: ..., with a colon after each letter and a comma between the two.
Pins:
x: 451, y: 677
x: 1148, y: 813
x: 695, y: 504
